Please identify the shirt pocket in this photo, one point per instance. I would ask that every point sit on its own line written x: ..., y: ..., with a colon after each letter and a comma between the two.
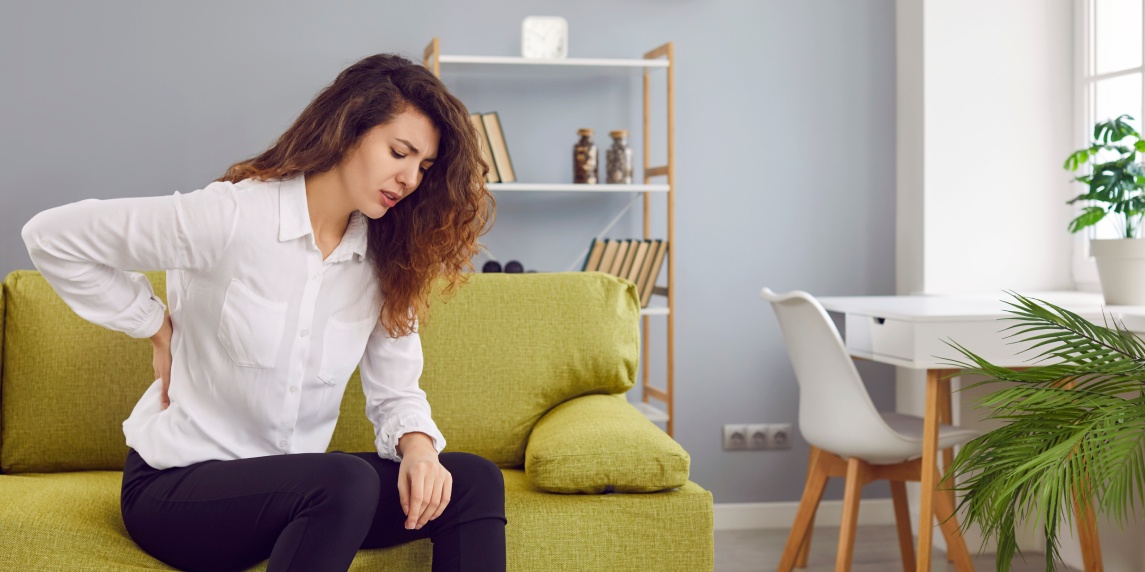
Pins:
x: 342, y: 348
x: 250, y: 328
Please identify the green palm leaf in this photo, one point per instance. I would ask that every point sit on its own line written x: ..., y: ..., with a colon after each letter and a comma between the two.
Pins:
x: 1074, y: 428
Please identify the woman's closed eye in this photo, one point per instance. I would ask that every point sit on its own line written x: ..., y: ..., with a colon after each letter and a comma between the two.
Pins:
x: 400, y: 156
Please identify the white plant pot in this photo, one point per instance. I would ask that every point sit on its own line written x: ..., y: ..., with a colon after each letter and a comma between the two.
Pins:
x: 1121, y: 268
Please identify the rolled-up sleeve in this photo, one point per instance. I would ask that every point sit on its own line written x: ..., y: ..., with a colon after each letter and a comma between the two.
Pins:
x: 395, y: 404
x: 87, y: 250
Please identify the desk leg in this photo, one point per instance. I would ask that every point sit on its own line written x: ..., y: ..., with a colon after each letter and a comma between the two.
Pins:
x: 1087, y: 527
x: 946, y: 417
x: 929, y: 480
x: 1087, y: 535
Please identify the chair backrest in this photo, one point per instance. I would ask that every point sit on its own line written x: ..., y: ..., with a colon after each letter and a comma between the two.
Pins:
x: 835, y: 411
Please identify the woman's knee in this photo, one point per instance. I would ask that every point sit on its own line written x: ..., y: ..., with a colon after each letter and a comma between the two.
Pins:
x: 349, y: 480
x: 477, y: 482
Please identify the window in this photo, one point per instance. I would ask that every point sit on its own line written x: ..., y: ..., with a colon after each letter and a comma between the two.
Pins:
x: 1109, y: 70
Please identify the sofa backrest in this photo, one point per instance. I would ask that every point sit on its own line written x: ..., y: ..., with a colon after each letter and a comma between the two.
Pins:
x: 499, y: 353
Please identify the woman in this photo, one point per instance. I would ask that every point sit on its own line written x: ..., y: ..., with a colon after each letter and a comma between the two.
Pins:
x: 285, y: 274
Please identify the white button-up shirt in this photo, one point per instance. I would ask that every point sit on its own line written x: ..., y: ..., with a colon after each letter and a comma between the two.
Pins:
x: 265, y: 332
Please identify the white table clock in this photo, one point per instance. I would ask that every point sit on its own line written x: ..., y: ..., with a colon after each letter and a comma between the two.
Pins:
x: 544, y: 37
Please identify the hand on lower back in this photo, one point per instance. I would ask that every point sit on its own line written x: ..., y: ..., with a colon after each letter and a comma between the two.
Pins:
x: 161, y: 357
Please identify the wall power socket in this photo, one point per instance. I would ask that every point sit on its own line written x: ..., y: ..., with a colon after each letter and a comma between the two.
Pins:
x: 757, y: 436
x: 735, y: 437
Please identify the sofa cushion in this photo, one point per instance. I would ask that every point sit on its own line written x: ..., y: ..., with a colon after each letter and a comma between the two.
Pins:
x: 505, y: 349
x: 72, y: 521
x: 501, y: 352
x: 601, y: 443
x: 67, y: 384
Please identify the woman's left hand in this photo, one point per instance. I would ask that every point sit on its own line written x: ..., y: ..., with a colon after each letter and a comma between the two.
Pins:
x: 424, y: 485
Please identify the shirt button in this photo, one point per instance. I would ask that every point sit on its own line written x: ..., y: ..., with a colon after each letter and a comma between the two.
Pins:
x: 316, y: 277
x: 304, y: 333
x: 282, y: 443
x: 294, y: 389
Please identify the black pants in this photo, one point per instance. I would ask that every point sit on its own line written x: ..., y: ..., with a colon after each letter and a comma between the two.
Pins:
x: 306, y: 512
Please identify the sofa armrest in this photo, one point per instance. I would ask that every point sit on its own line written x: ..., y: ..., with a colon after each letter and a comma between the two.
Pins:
x: 601, y: 443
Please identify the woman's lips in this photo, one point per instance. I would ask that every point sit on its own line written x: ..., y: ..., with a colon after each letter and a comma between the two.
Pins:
x: 387, y: 200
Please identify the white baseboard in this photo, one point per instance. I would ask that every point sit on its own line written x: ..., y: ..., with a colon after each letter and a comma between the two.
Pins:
x: 738, y: 516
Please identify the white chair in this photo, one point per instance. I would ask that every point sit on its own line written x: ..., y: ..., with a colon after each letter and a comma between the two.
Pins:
x: 850, y: 439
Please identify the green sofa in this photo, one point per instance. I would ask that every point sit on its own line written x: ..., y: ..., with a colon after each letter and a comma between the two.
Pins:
x: 527, y: 370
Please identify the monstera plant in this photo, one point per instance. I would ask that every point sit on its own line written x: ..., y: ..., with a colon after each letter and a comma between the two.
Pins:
x: 1073, y: 432
x: 1115, y: 188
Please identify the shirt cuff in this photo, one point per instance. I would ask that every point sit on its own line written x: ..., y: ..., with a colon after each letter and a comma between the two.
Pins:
x: 394, y: 427
x: 155, y: 313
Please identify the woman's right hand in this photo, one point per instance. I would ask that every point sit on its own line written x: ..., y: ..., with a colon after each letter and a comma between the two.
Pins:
x: 161, y: 357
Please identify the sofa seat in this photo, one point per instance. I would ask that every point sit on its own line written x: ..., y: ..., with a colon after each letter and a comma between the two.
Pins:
x: 77, y: 515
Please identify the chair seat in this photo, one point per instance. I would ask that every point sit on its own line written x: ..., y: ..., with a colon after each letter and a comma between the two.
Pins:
x: 909, y: 445
x: 910, y: 427
x: 902, y: 442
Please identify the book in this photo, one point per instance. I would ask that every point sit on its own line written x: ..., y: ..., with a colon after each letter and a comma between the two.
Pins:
x: 638, y: 261
x: 646, y: 267
x: 629, y: 257
x: 497, y: 145
x: 592, y: 261
x: 483, y: 145
x: 657, y: 263
x: 618, y: 260
x: 608, y: 255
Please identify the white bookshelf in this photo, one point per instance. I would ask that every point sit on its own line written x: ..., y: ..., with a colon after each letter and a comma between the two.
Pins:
x: 659, y: 58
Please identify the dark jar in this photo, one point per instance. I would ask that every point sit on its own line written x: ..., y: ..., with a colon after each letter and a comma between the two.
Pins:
x: 584, y: 158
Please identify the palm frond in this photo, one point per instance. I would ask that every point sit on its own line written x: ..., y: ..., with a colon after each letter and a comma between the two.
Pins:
x: 1074, y: 428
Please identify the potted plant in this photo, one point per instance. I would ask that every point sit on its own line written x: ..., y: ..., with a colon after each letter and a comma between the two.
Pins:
x: 1116, y: 181
x: 1075, y: 430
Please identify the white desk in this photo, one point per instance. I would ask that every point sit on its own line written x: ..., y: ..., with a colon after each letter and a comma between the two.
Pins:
x: 908, y: 331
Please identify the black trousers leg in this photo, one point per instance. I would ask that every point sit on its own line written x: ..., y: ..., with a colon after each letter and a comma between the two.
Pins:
x: 469, y: 534
x: 306, y: 511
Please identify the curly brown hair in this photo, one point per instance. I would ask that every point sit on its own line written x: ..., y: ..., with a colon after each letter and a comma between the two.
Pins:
x: 431, y: 234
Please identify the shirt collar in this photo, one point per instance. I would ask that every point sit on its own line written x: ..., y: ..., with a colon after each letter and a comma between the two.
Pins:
x: 294, y: 221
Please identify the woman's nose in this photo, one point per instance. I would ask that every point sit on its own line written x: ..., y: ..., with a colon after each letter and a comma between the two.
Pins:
x: 408, y: 177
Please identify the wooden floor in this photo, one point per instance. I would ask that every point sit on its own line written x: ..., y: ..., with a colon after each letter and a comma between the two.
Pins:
x: 876, y: 550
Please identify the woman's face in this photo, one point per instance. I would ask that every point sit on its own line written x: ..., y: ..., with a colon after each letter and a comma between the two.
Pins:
x: 390, y: 162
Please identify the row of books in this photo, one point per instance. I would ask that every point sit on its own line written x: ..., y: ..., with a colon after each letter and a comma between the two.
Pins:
x: 638, y: 261
x: 493, y: 150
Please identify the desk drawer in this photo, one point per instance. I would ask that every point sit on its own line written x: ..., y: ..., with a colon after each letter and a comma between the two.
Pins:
x: 926, y: 342
x: 883, y: 336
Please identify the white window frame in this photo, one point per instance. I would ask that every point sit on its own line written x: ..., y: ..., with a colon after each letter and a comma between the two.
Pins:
x: 1085, y: 57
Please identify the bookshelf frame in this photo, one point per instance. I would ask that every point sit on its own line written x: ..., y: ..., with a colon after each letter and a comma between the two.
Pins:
x: 661, y: 57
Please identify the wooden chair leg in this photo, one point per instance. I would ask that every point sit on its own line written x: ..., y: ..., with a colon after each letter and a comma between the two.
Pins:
x: 955, y: 545
x: 812, y: 493
x: 852, y: 491
x: 805, y: 550
x: 902, y: 523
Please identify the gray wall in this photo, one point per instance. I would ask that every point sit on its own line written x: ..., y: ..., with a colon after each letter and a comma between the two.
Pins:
x: 785, y: 151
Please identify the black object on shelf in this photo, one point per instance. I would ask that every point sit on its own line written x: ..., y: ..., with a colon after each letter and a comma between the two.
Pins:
x: 491, y: 266
x: 514, y: 267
